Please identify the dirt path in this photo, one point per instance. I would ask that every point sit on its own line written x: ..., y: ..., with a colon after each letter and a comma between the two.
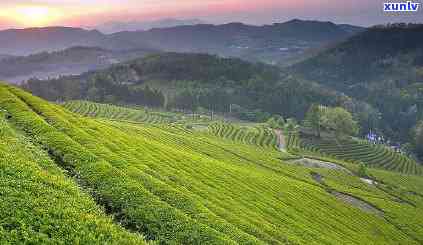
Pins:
x: 307, y: 162
x: 356, y: 202
x: 347, y: 198
x: 281, y: 140
x: 313, y: 163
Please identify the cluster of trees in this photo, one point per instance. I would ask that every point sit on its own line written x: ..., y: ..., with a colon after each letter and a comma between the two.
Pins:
x: 417, y: 139
x: 255, y: 99
x: 381, y: 67
x: 203, y: 68
x: 245, y: 90
x: 289, y: 125
x: 328, y: 119
x: 276, y: 122
x: 96, y: 88
x: 191, y: 82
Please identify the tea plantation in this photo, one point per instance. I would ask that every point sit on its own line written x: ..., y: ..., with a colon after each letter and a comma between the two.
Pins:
x: 92, y: 109
x: 259, y: 136
x: 357, y: 151
x: 67, y: 179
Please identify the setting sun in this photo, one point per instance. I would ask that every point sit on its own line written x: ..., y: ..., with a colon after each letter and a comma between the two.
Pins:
x: 35, y: 15
x: 32, y: 15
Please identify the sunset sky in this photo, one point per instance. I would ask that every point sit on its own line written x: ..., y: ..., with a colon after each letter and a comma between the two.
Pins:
x: 85, y: 13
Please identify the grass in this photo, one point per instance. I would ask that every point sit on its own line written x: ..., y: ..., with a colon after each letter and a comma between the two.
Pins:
x: 172, y: 185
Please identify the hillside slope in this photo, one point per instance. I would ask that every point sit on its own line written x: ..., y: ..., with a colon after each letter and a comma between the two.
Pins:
x: 256, y: 135
x: 189, y: 81
x: 350, y: 149
x: 40, y: 202
x: 370, y: 56
x: 357, y: 151
x: 71, y: 61
x: 179, y: 186
x: 382, y: 66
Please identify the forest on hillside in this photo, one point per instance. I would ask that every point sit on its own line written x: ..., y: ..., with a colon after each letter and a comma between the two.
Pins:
x: 382, y: 66
x: 194, y: 82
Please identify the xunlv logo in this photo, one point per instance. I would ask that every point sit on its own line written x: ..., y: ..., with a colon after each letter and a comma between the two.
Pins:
x: 408, y: 6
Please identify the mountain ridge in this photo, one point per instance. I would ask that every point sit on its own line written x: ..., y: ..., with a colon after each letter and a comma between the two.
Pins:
x: 277, y: 43
x: 116, y: 26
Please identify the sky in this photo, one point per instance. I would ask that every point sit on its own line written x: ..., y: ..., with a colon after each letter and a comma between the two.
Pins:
x: 90, y: 13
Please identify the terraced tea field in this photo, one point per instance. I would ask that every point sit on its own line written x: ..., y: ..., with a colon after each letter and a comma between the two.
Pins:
x: 92, y: 109
x: 358, y: 151
x: 70, y: 179
x: 259, y: 136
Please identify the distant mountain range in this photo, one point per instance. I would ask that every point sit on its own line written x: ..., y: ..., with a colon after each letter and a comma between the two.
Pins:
x: 4, y: 56
x: 34, y: 40
x: 275, y: 44
x: 72, y: 61
x: 113, y: 27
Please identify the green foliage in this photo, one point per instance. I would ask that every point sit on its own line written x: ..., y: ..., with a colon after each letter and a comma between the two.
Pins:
x: 338, y: 120
x: 92, y: 109
x: 417, y: 134
x: 189, y: 81
x: 40, y: 205
x: 99, y: 87
x: 272, y: 123
x: 356, y: 151
x: 362, y: 171
x: 178, y: 186
x: 291, y: 126
x: 315, y: 117
x: 276, y: 122
x: 382, y: 67
x: 259, y: 136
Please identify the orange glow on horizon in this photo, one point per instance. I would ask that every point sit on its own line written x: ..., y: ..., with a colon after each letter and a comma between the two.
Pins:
x: 91, y: 13
x: 32, y: 16
x: 83, y: 13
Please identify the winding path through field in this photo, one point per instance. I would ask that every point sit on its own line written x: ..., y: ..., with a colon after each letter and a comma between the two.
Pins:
x: 281, y: 140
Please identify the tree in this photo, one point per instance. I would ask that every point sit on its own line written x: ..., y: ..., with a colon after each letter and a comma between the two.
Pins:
x: 279, y: 121
x: 340, y: 121
x: 314, y: 116
x: 291, y: 125
x: 362, y: 171
x: 276, y: 122
x: 417, y: 135
x: 272, y: 123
